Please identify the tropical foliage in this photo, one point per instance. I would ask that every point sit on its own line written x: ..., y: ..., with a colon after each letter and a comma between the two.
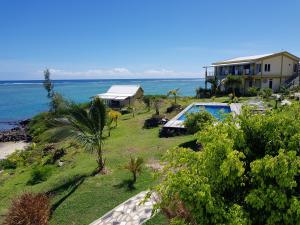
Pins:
x: 197, y: 121
x: 86, y: 127
x: 114, y: 115
x: 135, y: 167
x: 245, y: 174
x: 233, y: 82
x: 214, y: 85
x: 48, y: 85
x: 266, y: 92
x: 29, y: 209
x: 175, y: 93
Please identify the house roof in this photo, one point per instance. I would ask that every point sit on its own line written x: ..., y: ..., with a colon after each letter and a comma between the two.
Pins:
x: 120, y: 92
x: 254, y: 58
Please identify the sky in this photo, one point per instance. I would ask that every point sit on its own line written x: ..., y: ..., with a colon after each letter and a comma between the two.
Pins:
x: 105, y: 39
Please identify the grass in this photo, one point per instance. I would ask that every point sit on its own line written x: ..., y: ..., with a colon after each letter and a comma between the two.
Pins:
x: 158, y: 219
x: 80, y: 198
x: 83, y: 202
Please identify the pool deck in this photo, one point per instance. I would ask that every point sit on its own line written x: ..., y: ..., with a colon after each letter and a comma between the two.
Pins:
x: 175, y: 123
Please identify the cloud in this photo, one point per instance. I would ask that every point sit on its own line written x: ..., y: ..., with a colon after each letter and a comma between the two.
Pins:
x: 120, y: 72
x: 91, y: 72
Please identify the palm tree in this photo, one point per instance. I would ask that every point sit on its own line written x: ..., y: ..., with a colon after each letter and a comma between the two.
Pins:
x: 135, y: 167
x: 233, y: 82
x: 175, y: 93
x: 86, y: 126
x: 214, y: 85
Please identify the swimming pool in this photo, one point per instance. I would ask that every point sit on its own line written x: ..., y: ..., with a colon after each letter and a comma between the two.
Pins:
x: 218, y: 111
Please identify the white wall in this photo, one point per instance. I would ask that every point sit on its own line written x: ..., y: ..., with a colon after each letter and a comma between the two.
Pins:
x: 275, y: 63
x: 288, y: 66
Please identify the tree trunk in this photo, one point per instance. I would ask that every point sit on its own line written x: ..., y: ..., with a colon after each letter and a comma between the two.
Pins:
x: 175, y: 99
x: 100, y: 160
x: 134, y: 177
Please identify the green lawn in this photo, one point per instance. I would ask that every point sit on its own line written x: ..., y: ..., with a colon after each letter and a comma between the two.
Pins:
x: 95, y: 195
x: 81, y: 203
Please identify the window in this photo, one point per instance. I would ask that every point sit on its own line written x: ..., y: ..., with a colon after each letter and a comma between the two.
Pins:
x: 250, y: 83
x: 295, y: 68
x: 267, y: 67
x: 258, y: 68
x: 270, y: 83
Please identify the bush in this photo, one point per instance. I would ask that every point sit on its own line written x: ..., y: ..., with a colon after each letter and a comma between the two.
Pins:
x: 39, y: 174
x: 171, y: 132
x: 154, y: 121
x: 173, y: 107
x: 253, y: 91
x: 7, y: 164
x: 135, y: 166
x: 29, y: 209
x: 266, y: 92
x: 245, y: 174
x: 197, y: 121
x: 202, y: 93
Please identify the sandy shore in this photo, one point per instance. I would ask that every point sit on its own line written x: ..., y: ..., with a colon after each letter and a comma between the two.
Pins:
x: 7, y: 148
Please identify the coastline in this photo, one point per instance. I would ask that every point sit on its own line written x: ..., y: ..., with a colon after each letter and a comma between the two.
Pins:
x: 7, y: 148
x: 14, y: 139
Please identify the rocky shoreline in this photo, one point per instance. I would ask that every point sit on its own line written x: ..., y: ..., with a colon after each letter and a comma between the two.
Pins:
x: 18, y: 133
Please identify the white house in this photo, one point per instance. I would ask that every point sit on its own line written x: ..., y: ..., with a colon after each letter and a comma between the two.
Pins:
x: 119, y: 96
x: 262, y: 71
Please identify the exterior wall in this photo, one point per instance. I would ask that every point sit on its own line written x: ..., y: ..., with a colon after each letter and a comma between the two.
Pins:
x: 288, y: 66
x: 275, y: 66
x: 275, y: 83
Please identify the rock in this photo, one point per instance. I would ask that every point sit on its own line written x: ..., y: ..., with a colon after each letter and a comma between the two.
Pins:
x: 18, y: 133
x: 60, y: 163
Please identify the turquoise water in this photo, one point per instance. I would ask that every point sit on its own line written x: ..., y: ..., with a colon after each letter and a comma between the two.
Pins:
x: 217, y: 111
x: 23, y: 99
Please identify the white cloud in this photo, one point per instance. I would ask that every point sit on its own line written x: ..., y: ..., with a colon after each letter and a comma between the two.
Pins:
x: 120, y: 72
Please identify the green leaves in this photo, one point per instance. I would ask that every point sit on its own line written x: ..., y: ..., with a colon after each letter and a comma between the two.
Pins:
x: 248, y: 172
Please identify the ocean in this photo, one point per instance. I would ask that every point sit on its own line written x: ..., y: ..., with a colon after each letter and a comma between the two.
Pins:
x: 20, y: 100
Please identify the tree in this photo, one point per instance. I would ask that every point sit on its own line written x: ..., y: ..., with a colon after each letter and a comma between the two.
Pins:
x: 86, y: 126
x: 175, y: 93
x: 114, y: 115
x: 147, y: 101
x: 135, y: 167
x: 48, y: 85
x: 109, y: 125
x: 233, y: 82
x: 214, y: 85
x: 157, y: 102
x: 245, y: 174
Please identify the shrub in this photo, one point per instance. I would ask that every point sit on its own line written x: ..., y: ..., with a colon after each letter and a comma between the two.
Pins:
x: 197, y: 121
x: 135, y: 167
x: 171, y: 132
x: 114, y: 115
x: 266, y: 92
x: 39, y: 174
x: 173, y: 107
x: 7, y: 164
x: 57, y: 154
x: 29, y: 209
x: 245, y: 174
x: 154, y: 121
x: 202, y: 93
x: 253, y: 91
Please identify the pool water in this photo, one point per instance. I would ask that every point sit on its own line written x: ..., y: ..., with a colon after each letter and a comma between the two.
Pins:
x: 216, y: 110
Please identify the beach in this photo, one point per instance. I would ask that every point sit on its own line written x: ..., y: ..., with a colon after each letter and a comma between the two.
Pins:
x: 6, y: 148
